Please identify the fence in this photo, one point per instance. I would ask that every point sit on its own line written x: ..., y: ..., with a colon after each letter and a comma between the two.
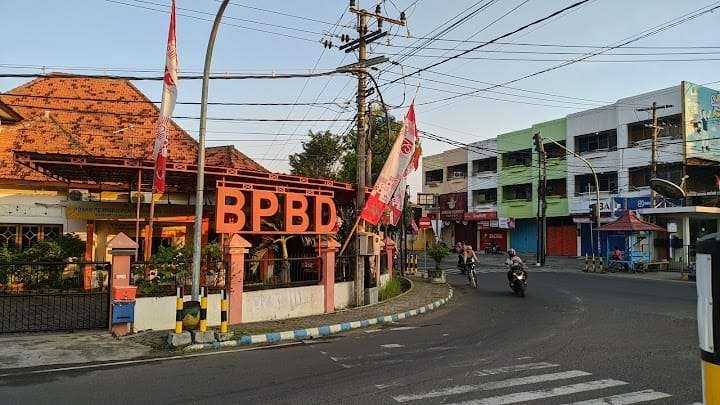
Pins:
x: 345, y: 268
x: 51, y: 296
x: 281, y: 272
x: 164, y: 277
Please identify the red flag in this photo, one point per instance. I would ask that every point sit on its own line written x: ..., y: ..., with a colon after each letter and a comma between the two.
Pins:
x: 160, y: 151
x: 398, y: 165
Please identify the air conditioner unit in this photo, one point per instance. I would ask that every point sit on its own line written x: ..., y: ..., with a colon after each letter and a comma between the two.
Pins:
x: 75, y: 194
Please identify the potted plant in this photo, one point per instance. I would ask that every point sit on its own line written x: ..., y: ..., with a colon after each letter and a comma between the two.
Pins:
x: 438, y: 252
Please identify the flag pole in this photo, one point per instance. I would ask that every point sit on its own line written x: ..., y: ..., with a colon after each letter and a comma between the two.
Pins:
x: 199, y: 199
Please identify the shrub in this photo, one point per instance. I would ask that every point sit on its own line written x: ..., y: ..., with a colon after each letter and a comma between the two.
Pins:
x: 390, y: 289
x: 438, y: 252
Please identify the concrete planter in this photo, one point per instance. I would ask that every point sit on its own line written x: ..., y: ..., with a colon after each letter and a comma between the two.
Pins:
x: 436, y: 276
x: 371, y: 296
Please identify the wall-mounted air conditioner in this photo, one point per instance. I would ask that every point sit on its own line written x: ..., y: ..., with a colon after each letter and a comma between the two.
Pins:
x: 75, y: 194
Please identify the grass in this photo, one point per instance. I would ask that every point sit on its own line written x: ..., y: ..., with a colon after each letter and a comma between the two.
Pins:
x: 391, y: 289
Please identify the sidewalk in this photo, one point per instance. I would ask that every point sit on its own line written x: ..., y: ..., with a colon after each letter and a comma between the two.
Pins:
x: 43, y: 349
x: 421, y: 293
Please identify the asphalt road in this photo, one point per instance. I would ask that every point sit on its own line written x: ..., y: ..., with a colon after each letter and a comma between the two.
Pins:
x: 575, y: 337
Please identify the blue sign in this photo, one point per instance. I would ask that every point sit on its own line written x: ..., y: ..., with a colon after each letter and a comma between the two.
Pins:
x: 622, y: 204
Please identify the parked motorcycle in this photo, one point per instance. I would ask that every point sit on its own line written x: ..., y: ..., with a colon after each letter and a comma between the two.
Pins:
x: 472, y: 274
x: 518, y: 281
x: 492, y: 250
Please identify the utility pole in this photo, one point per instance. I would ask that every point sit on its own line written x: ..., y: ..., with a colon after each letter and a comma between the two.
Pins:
x: 542, y: 200
x: 653, y: 152
x: 403, y: 255
x: 362, y: 140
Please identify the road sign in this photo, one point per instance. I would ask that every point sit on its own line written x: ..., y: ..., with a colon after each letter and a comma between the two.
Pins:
x: 425, y: 223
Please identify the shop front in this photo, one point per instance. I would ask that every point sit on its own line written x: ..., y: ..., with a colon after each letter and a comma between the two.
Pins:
x: 490, y: 230
x: 451, y: 212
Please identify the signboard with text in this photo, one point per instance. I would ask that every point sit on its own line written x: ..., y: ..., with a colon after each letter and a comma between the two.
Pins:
x: 452, y: 206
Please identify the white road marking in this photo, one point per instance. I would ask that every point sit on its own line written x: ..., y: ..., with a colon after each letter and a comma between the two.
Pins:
x: 404, y: 328
x: 517, y: 367
x: 624, y: 399
x: 546, y: 393
x: 372, y: 330
x: 392, y: 346
x: 524, y: 358
x: 383, y: 386
x: 492, y: 385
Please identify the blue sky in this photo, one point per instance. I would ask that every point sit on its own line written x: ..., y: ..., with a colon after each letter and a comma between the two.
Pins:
x: 109, y: 36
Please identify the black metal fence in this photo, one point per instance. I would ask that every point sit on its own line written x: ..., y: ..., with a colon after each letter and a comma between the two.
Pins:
x: 154, y: 279
x: 345, y: 268
x: 281, y: 272
x: 51, y: 296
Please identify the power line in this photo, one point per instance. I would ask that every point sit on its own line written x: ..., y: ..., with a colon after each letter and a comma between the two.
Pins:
x: 235, y: 4
x: 536, y: 44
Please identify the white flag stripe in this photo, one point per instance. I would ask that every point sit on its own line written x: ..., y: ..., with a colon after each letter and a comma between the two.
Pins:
x: 517, y: 367
x: 492, y: 385
x: 624, y: 399
x: 542, y: 394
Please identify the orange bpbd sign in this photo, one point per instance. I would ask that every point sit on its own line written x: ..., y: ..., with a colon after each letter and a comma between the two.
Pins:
x: 244, y: 210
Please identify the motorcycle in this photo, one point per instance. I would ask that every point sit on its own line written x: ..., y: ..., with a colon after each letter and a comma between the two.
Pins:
x: 472, y: 274
x: 518, y: 281
x: 461, y: 264
x: 492, y: 250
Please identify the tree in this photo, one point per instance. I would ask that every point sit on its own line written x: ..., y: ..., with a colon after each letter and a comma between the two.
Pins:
x: 380, y: 146
x: 319, y: 157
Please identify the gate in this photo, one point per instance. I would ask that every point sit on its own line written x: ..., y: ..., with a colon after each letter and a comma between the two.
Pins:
x: 37, y: 297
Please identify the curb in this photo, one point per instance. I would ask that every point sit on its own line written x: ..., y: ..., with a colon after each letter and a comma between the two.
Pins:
x: 320, y: 331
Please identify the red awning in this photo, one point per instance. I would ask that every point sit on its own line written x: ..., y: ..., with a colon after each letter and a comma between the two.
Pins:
x: 629, y: 222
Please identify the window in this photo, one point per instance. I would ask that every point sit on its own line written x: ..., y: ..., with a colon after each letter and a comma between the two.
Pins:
x: 585, y: 183
x: 428, y: 200
x: 671, y: 127
x: 486, y: 196
x: 457, y: 171
x: 517, y: 192
x: 555, y: 152
x: 640, y: 176
x: 517, y: 158
x: 26, y: 235
x: 557, y: 188
x: 484, y: 165
x: 598, y: 141
x: 434, y: 176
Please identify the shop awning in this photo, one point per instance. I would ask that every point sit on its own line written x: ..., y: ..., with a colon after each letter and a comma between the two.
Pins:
x: 629, y: 222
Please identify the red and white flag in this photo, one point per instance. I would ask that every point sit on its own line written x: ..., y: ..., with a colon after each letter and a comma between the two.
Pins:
x: 160, y: 151
x: 390, y: 186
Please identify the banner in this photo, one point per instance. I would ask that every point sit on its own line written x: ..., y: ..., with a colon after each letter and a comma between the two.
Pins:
x: 170, y: 78
x: 402, y: 159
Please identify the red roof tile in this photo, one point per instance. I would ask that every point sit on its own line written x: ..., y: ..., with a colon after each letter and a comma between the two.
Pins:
x: 629, y: 221
x: 228, y: 156
x: 88, y: 116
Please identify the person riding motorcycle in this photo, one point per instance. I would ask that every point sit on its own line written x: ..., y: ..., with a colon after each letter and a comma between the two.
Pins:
x: 469, y: 257
x: 460, y: 250
x: 514, y: 260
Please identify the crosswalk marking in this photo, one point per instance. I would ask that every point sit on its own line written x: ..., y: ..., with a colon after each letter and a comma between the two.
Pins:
x: 493, y: 385
x: 625, y: 399
x: 517, y: 367
x: 546, y: 393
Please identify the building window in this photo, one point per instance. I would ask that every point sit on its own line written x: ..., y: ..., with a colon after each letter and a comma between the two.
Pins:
x: 598, y: 141
x: 457, y: 171
x: 517, y: 158
x: 24, y: 236
x: 427, y: 200
x: 671, y: 128
x: 484, y: 165
x: 517, y: 192
x: 486, y: 196
x: 585, y: 183
x: 557, y: 188
x: 640, y: 176
x: 434, y: 176
x: 555, y: 152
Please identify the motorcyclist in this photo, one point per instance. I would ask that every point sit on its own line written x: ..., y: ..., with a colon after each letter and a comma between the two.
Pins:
x: 460, y: 250
x: 512, y: 261
x: 469, y: 258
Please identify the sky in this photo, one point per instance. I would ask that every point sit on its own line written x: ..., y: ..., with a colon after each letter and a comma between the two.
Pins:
x: 128, y: 37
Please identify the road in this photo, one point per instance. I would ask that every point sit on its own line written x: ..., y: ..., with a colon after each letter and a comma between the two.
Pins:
x: 575, y: 337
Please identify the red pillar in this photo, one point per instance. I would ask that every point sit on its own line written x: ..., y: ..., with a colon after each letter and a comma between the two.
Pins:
x: 89, y: 246
x: 389, y: 254
x: 235, y: 250
x: 327, y: 249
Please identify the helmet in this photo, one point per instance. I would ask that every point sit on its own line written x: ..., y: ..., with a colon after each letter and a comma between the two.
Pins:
x: 511, y: 252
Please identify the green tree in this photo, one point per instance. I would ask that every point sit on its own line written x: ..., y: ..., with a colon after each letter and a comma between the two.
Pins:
x: 380, y: 147
x: 319, y: 157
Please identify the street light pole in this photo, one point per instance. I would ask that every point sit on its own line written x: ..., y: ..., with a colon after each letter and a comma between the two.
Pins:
x: 597, y: 185
x: 199, y: 199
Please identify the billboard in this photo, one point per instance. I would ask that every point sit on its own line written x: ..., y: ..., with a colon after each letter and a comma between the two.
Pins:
x: 702, y: 122
x: 452, y: 206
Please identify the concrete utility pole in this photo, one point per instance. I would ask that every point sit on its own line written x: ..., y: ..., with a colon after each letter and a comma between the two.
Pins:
x: 362, y: 169
x: 653, y: 152
x: 542, y: 200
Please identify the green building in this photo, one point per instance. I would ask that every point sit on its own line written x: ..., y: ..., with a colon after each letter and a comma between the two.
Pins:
x: 518, y: 173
